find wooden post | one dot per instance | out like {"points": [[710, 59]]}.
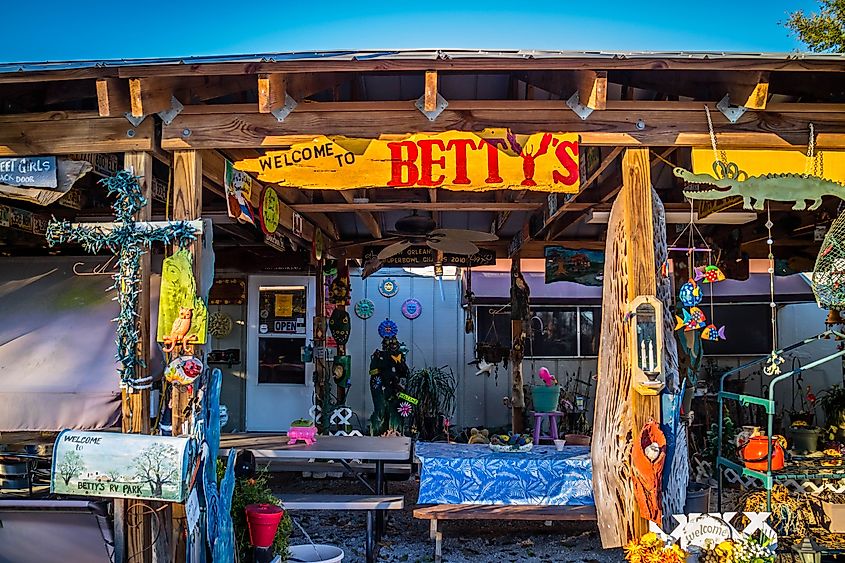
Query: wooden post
{"points": [[620, 412], [187, 205], [517, 354], [135, 404], [321, 388]]}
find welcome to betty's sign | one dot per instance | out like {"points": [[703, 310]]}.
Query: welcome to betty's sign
{"points": [[493, 159]]}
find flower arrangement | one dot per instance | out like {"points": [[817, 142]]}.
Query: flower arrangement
{"points": [[746, 550], [651, 549]]}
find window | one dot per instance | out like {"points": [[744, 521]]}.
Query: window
{"points": [[554, 331]]}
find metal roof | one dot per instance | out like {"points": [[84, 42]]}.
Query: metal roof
{"points": [[414, 54]]}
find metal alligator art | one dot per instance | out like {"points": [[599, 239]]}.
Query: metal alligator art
{"points": [[731, 181]]}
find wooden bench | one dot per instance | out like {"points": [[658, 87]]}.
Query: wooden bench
{"points": [[544, 513], [369, 503], [392, 471]]}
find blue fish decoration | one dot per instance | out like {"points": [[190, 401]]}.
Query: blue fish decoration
{"points": [[690, 294]]}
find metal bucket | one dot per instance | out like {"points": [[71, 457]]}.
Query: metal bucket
{"points": [[698, 499]]}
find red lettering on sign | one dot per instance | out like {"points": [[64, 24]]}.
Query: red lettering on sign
{"points": [[398, 164], [528, 159], [493, 159], [427, 162], [567, 160], [461, 146]]}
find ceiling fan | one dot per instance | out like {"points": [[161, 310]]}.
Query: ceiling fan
{"points": [[416, 229]]}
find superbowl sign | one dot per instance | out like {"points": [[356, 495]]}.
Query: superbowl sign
{"points": [[493, 159]]}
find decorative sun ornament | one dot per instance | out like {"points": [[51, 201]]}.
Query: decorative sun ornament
{"points": [[365, 308], [411, 308], [220, 324], [387, 329], [388, 287]]}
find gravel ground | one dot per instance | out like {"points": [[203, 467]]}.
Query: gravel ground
{"points": [[473, 541]]}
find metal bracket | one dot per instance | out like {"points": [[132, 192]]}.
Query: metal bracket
{"points": [[281, 113], [168, 115], [135, 121], [574, 103], [733, 113], [438, 108]]}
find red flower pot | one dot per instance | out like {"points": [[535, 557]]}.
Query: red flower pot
{"points": [[263, 521], [755, 453]]}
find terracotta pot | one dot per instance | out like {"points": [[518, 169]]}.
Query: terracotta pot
{"points": [[755, 453], [578, 439], [263, 521]]}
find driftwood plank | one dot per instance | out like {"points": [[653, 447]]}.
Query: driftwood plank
{"points": [[504, 512]]}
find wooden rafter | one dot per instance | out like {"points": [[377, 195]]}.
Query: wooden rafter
{"points": [[432, 197], [245, 127], [366, 217], [430, 96], [150, 95], [479, 206], [113, 97], [592, 88], [271, 92]]}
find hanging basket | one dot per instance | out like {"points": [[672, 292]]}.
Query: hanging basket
{"points": [[829, 272]]}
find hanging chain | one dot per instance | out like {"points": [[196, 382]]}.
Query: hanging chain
{"points": [[718, 156], [810, 165], [772, 366]]}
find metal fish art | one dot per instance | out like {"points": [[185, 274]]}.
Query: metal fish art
{"points": [[709, 274], [712, 333], [694, 319], [690, 294]]}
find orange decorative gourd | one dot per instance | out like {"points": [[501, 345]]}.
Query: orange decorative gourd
{"points": [[755, 453]]}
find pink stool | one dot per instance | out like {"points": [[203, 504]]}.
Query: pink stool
{"points": [[553, 418]]}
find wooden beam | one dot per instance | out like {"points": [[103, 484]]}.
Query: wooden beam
{"points": [[113, 97], [480, 206], [592, 88], [530, 249], [507, 62], [752, 94], [430, 96], [187, 205], [432, 197], [62, 132], [149, 95], [271, 92], [135, 405], [607, 128], [571, 204], [369, 220]]}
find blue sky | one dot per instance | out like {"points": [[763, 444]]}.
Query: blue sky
{"points": [[63, 29]]}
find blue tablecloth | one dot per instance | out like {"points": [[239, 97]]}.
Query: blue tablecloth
{"points": [[473, 474]]}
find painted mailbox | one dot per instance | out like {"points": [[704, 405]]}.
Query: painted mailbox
{"points": [[108, 464]]}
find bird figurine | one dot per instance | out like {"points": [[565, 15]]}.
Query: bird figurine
{"points": [[547, 377], [652, 451], [485, 367]]}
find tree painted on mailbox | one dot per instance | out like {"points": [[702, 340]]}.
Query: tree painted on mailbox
{"points": [[155, 466], [71, 466]]}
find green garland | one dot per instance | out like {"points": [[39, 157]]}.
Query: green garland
{"points": [[129, 243]]}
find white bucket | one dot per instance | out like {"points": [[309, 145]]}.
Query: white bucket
{"points": [[317, 553]]}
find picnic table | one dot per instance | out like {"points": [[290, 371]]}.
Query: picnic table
{"points": [[343, 449], [470, 481]]}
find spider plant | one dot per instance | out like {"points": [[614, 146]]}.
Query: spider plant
{"points": [[434, 388]]}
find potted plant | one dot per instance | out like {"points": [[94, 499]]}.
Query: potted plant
{"points": [[832, 402], [255, 490], [434, 390]]}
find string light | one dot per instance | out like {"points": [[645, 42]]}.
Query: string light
{"points": [[129, 242]]}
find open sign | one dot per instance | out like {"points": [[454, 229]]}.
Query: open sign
{"points": [[291, 326]]}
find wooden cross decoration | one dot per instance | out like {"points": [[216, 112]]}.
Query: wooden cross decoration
{"points": [[128, 240]]}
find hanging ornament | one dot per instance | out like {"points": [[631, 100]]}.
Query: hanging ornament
{"points": [[404, 409], [340, 326], [387, 329], [692, 320], [183, 370], [690, 294], [220, 324], [710, 332], [411, 308], [365, 308], [709, 274], [388, 287]]}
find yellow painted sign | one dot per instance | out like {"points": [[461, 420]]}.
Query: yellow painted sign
{"points": [[825, 164], [493, 159]]}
